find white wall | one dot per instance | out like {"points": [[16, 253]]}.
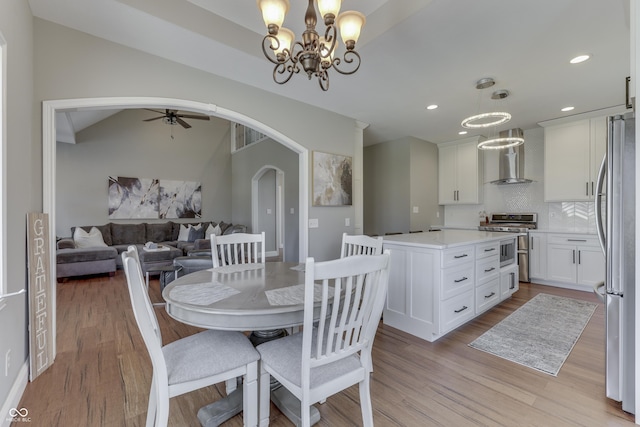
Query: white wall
{"points": [[398, 176], [124, 145], [21, 193]]}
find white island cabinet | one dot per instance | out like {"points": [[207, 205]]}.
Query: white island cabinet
{"points": [[442, 279]]}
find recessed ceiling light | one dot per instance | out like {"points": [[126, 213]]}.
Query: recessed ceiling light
{"points": [[462, 132], [579, 59], [567, 109], [432, 107]]}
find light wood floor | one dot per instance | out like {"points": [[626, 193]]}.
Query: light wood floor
{"points": [[102, 374]]}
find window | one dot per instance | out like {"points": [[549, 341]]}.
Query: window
{"points": [[242, 136]]}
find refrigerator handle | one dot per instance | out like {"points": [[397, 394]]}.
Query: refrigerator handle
{"points": [[598, 289], [598, 204]]}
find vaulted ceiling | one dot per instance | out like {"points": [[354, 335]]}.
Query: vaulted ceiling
{"points": [[414, 53]]}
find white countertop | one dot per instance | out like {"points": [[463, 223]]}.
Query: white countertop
{"points": [[446, 238]]}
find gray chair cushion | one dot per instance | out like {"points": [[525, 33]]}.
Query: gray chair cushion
{"points": [[207, 353], [284, 355]]}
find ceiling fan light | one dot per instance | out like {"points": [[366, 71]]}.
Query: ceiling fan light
{"points": [[350, 23], [329, 9], [273, 13]]}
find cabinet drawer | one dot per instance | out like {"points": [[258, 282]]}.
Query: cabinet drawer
{"points": [[573, 239], [487, 295], [487, 250], [456, 280], [456, 256], [457, 310], [487, 269]]}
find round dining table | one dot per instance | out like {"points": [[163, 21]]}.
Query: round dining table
{"points": [[262, 298]]}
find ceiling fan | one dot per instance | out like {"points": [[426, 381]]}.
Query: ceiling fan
{"points": [[172, 117]]}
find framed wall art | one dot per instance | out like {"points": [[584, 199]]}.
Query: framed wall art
{"points": [[332, 179], [144, 198]]}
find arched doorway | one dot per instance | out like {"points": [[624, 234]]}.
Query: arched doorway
{"points": [[267, 207], [50, 108]]}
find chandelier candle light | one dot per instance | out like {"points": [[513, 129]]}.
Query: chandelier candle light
{"points": [[314, 54]]}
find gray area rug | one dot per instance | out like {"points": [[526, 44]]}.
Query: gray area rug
{"points": [[540, 334]]}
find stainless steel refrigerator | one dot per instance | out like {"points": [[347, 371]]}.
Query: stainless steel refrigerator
{"points": [[615, 220]]}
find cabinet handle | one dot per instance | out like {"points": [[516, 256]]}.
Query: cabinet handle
{"points": [[460, 256], [586, 188], [464, 307], [461, 280], [489, 250], [513, 281], [491, 269], [592, 191], [574, 256], [579, 257], [490, 295], [577, 240], [531, 244]]}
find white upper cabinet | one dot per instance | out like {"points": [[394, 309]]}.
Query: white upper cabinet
{"points": [[459, 172], [572, 156]]}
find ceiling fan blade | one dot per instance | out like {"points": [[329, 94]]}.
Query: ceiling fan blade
{"points": [[154, 118], [192, 116], [183, 123]]}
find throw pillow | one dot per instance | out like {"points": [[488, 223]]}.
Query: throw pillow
{"points": [[183, 236], [212, 230], [196, 233], [92, 239]]}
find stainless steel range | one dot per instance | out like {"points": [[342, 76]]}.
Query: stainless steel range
{"points": [[515, 223]]}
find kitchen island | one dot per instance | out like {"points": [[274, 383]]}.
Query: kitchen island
{"points": [[440, 280]]}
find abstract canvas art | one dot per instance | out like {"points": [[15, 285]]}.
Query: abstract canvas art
{"points": [[332, 179], [180, 199], [144, 198], [133, 198]]}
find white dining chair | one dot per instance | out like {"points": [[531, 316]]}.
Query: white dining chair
{"points": [[360, 245], [333, 352], [237, 248], [190, 363]]}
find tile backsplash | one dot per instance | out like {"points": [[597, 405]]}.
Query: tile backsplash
{"points": [[572, 216]]}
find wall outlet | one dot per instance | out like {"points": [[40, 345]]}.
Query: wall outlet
{"points": [[292, 211], [347, 222], [268, 211], [416, 209], [313, 223], [7, 362]]}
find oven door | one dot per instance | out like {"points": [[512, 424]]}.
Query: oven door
{"points": [[507, 252]]}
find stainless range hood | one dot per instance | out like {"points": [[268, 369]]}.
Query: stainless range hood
{"points": [[511, 161]]}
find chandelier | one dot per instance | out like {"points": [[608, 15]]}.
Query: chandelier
{"points": [[492, 120], [315, 54]]}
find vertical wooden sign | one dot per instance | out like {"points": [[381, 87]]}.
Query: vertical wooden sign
{"points": [[41, 344]]}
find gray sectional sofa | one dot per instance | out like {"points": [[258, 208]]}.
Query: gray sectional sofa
{"points": [[76, 261]]}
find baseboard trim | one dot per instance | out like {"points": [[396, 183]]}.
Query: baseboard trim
{"points": [[15, 394]]}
